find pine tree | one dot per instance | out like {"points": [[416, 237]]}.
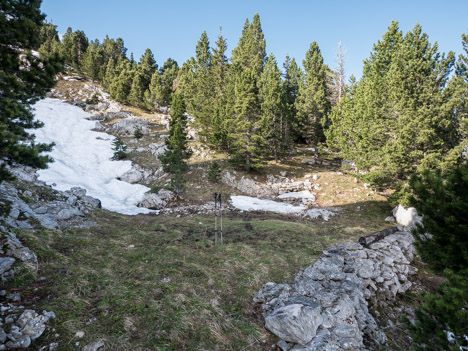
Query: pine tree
{"points": [[24, 79], [93, 59], [443, 204], [109, 74], [173, 159], [74, 45], [137, 91], [442, 321], [122, 83], [400, 117], [244, 122], [292, 79], [272, 108], [197, 87], [250, 51], [120, 149], [50, 41], [218, 73], [312, 104], [241, 112], [219, 66], [168, 73], [142, 79], [154, 96]]}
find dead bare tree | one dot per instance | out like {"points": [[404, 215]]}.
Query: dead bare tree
{"points": [[338, 88]]}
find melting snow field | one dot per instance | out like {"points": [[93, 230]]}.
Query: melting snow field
{"points": [[83, 158], [247, 203]]}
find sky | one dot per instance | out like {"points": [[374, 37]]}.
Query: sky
{"points": [[172, 28]]}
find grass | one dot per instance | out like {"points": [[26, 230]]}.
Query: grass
{"points": [[158, 282]]}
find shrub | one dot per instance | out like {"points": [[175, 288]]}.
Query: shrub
{"points": [[214, 172], [119, 149]]}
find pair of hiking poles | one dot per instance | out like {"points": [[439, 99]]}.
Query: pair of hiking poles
{"points": [[218, 206]]}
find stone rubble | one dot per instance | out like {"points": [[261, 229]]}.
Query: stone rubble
{"points": [[126, 126], [52, 213], [274, 186], [19, 332], [326, 307]]}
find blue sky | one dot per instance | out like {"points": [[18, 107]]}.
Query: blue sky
{"points": [[172, 28]]}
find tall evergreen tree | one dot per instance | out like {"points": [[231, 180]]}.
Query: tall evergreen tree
{"points": [[24, 79], [154, 96], [272, 108], [147, 67], [312, 103], [218, 73], [122, 83], [168, 73], [244, 121], [250, 51], [242, 105], [219, 65], [177, 152], [197, 87], [93, 59], [400, 117], [74, 45], [49, 38], [293, 77]]}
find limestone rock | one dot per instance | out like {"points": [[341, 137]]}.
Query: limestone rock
{"points": [[294, 323], [326, 307], [5, 264], [157, 201], [95, 346]]}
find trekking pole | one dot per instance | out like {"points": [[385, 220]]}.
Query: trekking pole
{"points": [[221, 216], [216, 218]]}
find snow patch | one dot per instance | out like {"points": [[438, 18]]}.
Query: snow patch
{"points": [[247, 203], [83, 158]]}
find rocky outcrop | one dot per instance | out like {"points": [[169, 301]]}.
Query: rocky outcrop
{"points": [[326, 307], [57, 211], [138, 174], [157, 149], [272, 188], [126, 126], [157, 201]]}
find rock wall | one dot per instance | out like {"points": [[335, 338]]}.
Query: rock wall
{"points": [[326, 307]]}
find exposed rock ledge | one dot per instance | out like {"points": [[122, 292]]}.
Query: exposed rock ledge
{"points": [[326, 306]]}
